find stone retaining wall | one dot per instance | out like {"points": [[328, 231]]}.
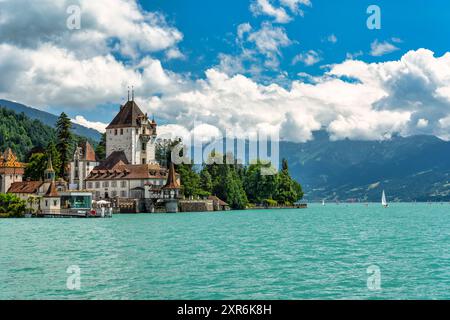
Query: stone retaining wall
{"points": [[196, 206]]}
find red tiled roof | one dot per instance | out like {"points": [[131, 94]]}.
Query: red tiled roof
{"points": [[25, 187], [128, 171], [51, 192]]}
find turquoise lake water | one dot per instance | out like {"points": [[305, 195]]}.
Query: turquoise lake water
{"points": [[318, 253]]}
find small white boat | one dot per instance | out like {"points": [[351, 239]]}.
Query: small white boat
{"points": [[383, 200], [323, 203]]}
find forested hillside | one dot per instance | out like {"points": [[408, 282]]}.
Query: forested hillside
{"points": [[22, 134], [49, 119]]}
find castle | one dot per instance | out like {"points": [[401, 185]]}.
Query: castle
{"points": [[130, 178], [130, 174]]}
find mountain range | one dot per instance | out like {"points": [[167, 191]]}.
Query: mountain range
{"points": [[415, 168]]}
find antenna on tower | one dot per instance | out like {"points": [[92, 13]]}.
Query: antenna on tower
{"points": [[132, 93], [128, 93]]}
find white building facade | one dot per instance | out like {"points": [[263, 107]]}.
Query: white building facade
{"points": [[84, 161], [132, 133], [130, 167]]}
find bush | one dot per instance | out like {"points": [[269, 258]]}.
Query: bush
{"points": [[270, 203], [12, 206]]}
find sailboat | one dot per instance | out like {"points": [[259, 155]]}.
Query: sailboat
{"points": [[383, 200], [323, 203]]}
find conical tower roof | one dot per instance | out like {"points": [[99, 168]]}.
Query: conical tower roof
{"points": [[172, 182], [49, 165]]}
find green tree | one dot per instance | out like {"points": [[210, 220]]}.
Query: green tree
{"points": [[36, 167], [258, 186], [65, 139], [100, 151], [190, 180], [206, 183], [164, 149], [226, 180], [52, 152], [12, 206], [288, 191], [234, 190]]}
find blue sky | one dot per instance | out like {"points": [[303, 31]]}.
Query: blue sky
{"points": [[209, 28], [288, 66]]}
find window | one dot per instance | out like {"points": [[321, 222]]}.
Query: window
{"points": [[113, 184], [123, 184], [97, 185], [115, 132], [55, 203], [97, 194], [46, 203], [105, 184], [89, 185], [144, 161], [121, 132], [144, 146], [77, 202], [123, 194], [114, 194], [137, 131]]}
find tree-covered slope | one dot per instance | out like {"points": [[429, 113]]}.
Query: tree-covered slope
{"points": [[22, 134], [49, 119]]}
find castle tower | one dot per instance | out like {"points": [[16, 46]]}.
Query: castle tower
{"points": [[84, 161], [11, 170], [49, 173], [171, 191], [132, 133]]}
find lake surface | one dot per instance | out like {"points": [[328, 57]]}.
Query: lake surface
{"points": [[318, 253]]}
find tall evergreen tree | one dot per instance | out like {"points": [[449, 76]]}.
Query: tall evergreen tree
{"points": [[206, 183], [234, 190], [288, 191], [100, 151], [52, 152], [190, 180], [65, 139]]}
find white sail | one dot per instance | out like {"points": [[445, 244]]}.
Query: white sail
{"points": [[383, 200], [323, 202]]}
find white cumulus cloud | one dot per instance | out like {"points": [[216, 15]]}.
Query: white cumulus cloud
{"points": [[99, 126]]}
